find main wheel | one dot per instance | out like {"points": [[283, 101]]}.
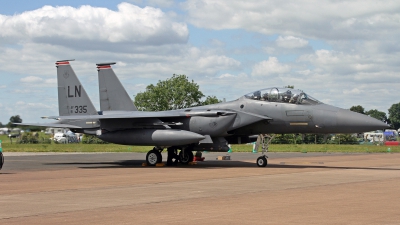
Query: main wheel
{"points": [[185, 156], [160, 158], [1, 160], [262, 161], [153, 157]]}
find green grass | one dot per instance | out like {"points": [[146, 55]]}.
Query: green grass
{"points": [[8, 147], [320, 148]]}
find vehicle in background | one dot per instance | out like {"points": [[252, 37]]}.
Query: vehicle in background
{"points": [[390, 135], [54, 130], [4, 130], [65, 138], [373, 137], [15, 132]]}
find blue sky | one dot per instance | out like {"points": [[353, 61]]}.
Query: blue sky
{"points": [[342, 53]]}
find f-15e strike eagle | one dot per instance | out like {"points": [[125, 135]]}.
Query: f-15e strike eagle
{"points": [[201, 128]]}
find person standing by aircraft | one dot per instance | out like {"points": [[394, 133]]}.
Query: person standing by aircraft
{"points": [[172, 154]]}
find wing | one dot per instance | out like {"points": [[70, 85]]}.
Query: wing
{"points": [[162, 114]]}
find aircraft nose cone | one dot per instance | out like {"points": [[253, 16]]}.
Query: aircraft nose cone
{"points": [[358, 123]]}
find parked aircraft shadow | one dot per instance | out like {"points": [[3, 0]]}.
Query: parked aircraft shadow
{"points": [[105, 165], [207, 165]]}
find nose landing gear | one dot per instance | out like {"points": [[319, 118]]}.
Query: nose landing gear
{"points": [[264, 140]]}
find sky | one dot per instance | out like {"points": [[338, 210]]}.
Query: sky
{"points": [[343, 53]]}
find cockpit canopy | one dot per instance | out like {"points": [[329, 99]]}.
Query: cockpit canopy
{"points": [[284, 95]]}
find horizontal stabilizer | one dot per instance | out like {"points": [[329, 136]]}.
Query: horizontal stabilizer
{"points": [[59, 125]]}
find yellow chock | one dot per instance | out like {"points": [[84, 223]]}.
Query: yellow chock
{"points": [[160, 164], [192, 163], [144, 164]]}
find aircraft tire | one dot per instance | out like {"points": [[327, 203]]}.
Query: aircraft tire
{"points": [[153, 157], [160, 158], [262, 161], [1, 160], [186, 158]]}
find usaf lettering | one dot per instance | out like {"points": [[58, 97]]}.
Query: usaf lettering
{"points": [[78, 91]]}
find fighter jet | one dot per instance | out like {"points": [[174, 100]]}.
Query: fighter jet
{"points": [[212, 127]]}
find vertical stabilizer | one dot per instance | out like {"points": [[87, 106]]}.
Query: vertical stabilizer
{"points": [[113, 96], [72, 97]]}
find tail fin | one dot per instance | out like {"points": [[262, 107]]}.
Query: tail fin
{"points": [[113, 96], [72, 97]]}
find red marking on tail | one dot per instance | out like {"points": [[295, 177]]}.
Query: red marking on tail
{"points": [[62, 63], [103, 67]]}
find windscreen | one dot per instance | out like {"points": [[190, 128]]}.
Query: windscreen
{"points": [[284, 95]]}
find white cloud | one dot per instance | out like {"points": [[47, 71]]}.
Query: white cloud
{"points": [[353, 91], [93, 26], [31, 79], [232, 77], [361, 19], [37, 81], [269, 67], [291, 42], [51, 81], [214, 61]]}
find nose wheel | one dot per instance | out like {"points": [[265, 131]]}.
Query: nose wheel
{"points": [[262, 161]]}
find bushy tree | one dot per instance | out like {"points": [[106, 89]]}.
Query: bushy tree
{"points": [[358, 108], [210, 100], [394, 116], [14, 119], [348, 139], [377, 115], [29, 138], [174, 93], [92, 139]]}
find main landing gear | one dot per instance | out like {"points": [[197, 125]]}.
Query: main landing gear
{"points": [[185, 155], [154, 156], [264, 140]]}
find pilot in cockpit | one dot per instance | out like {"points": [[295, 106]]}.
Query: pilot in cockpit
{"points": [[257, 95], [265, 97], [294, 99], [286, 96]]}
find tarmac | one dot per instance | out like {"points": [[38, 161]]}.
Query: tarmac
{"points": [[114, 188]]}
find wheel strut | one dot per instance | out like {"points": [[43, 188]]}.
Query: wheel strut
{"points": [[264, 140]]}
